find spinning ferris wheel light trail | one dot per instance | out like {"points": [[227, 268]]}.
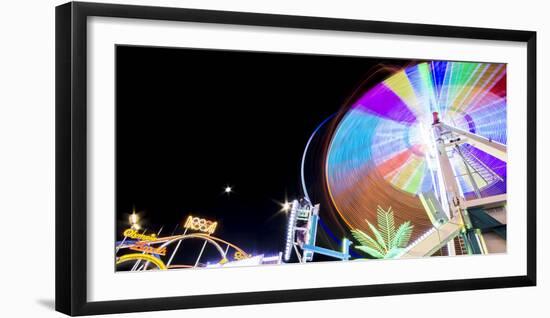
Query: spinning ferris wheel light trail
{"points": [[434, 128]]}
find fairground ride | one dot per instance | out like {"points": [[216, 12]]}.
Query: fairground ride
{"points": [[429, 141], [140, 251]]}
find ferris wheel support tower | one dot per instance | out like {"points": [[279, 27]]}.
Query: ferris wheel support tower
{"points": [[451, 199]]}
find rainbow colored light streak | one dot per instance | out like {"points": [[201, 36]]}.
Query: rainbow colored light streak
{"points": [[379, 152]]}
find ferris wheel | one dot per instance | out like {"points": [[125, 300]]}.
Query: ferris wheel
{"points": [[430, 128]]}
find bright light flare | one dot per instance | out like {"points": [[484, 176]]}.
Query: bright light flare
{"points": [[133, 219], [286, 206], [228, 189]]}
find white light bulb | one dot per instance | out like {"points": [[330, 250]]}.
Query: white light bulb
{"points": [[286, 206]]}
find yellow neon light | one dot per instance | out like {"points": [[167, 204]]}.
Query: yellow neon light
{"points": [[131, 233], [143, 247], [144, 257], [202, 225], [239, 255], [428, 208], [224, 242]]}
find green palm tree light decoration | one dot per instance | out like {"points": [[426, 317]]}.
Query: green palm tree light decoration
{"points": [[387, 242]]}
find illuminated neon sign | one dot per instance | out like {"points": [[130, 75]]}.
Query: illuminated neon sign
{"points": [[240, 255], [144, 257], [201, 225], [131, 233], [143, 247]]}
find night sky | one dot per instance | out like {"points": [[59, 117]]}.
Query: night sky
{"points": [[190, 122]]}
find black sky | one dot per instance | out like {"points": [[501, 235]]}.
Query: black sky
{"points": [[189, 122]]}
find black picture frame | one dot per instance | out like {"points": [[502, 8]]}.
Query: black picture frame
{"points": [[71, 157]]}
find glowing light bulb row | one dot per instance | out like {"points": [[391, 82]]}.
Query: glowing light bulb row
{"points": [[290, 231]]}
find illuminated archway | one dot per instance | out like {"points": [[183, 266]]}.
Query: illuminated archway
{"points": [[142, 257], [211, 239]]}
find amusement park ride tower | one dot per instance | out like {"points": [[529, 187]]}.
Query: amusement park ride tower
{"points": [[302, 226], [451, 213]]}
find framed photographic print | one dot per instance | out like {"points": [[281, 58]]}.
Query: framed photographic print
{"points": [[209, 158]]}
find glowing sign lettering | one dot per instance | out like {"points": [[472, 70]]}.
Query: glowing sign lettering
{"points": [[202, 225], [131, 233], [143, 247]]}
